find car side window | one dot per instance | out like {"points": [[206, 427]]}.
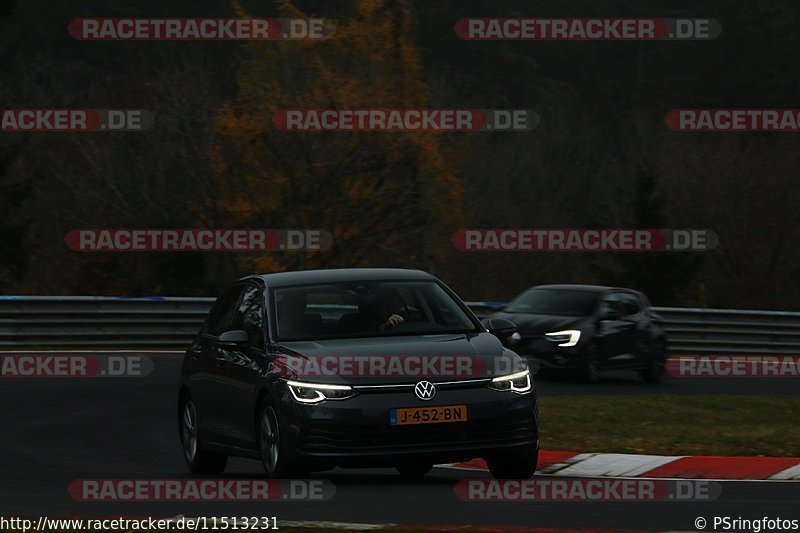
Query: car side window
{"points": [[611, 305], [249, 316], [222, 316], [631, 305]]}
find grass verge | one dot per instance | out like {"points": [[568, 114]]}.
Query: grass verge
{"points": [[673, 425]]}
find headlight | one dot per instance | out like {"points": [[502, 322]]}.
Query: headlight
{"points": [[304, 392], [519, 382], [566, 338]]}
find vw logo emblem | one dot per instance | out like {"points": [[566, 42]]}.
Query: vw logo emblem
{"points": [[425, 390]]}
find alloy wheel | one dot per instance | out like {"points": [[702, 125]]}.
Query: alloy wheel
{"points": [[270, 439], [189, 431]]}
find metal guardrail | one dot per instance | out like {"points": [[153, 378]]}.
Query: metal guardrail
{"points": [[76, 321], [121, 322], [731, 331]]}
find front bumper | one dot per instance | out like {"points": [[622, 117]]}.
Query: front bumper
{"points": [[357, 431]]}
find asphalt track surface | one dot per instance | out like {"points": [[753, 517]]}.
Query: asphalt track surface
{"points": [[55, 431]]}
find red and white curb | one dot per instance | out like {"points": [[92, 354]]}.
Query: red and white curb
{"points": [[658, 466]]}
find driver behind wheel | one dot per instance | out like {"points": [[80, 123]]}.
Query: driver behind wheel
{"points": [[388, 308]]}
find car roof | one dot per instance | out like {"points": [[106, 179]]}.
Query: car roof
{"points": [[339, 275], [578, 287]]}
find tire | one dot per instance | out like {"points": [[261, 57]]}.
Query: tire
{"points": [[513, 466], [272, 449], [198, 460], [414, 470], [590, 373], [656, 366]]}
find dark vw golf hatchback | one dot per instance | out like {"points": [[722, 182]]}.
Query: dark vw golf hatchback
{"points": [[588, 328], [315, 369]]}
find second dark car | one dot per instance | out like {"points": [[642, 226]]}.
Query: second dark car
{"points": [[587, 329]]}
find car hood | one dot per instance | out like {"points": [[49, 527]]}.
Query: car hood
{"points": [[398, 359], [529, 324]]}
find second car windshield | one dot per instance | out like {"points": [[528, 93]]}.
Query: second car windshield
{"points": [[366, 309], [554, 302]]}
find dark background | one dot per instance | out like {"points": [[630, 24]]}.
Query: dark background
{"points": [[601, 157]]}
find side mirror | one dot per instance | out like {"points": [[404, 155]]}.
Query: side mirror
{"points": [[233, 339], [501, 328]]}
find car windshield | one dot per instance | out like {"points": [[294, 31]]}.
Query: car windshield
{"points": [[367, 309], [564, 302]]}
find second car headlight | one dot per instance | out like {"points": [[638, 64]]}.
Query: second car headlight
{"points": [[519, 382], [305, 392], [566, 338]]}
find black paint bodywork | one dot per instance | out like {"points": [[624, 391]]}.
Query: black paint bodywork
{"points": [[229, 384]]}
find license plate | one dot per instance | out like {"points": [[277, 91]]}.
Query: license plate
{"points": [[439, 414]]}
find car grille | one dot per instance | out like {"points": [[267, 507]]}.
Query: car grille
{"points": [[332, 437]]}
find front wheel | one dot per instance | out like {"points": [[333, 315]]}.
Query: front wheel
{"points": [[520, 465], [590, 371], [270, 445], [198, 460], [656, 364]]}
